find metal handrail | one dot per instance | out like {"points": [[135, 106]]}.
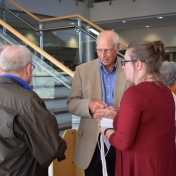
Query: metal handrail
{"points": [[3, 7], [49, 29], [60, 80], [38, 49], [46, 29], [64, 83], [61, 18]]}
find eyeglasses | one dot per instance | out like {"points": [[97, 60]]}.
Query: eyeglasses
{"points": [[105, 50], [123, 62], [32, 66]]}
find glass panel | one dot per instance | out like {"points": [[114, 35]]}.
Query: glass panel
{"points": [[60, 23], [63, 45], [122, 50], [88, 45], [12, 18], [92, 31], [53, 88], [72, 23]]}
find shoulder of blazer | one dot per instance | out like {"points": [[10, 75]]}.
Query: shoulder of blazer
{"points": [[89, 66]]}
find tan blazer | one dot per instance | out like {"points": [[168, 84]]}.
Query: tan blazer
{"points": [[86, 85]]}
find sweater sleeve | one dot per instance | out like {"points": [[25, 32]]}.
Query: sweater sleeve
{"points": [[127, 121]]}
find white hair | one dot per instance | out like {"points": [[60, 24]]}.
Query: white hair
{"points": [[111, 35], [168, 69], [15, 58]]}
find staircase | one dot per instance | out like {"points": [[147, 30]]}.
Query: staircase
{"points": [[54, 89]]}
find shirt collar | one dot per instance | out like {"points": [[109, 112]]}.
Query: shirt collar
{"points": [[22, 82], [114, 66]]}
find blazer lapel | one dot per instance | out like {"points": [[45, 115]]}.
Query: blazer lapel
{"points": [[95, 79], [120, 84]]}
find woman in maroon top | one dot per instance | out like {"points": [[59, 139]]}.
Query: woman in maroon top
{"points": [[143, 132]]}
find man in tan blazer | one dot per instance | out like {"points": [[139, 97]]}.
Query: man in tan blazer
{"points": [[86, 96]]}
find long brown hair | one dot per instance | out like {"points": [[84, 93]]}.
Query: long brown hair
{"points": [[151, 53]]}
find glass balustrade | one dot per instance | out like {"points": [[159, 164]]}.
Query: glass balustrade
{"points": [[71, 41]]}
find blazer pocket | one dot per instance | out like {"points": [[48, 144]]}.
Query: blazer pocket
{"points": [[80, 132]]}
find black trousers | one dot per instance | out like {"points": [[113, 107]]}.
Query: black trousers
{"points": [[95, 166]]}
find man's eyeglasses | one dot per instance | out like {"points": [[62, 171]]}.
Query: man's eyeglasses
{"points": [[32, 66], [123, 62], [105, 50]]}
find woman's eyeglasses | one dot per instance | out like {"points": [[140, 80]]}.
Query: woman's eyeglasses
{"points": [[123, 62]]}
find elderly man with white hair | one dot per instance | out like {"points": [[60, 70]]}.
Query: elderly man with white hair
{"points": [[29, 134]]}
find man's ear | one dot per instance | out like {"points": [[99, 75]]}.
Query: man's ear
{"points": [[28, 69], [118, 48], [27, 73]]}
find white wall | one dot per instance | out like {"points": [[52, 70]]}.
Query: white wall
{"points": [[54, 7], [167, 34], [121, 9]]}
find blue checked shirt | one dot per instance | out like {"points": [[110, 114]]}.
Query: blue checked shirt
{"points": [[107, 83]]}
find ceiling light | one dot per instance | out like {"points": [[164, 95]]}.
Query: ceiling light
{"points": [[94, 31], [147, 26], [123, 21], [160, 17], [72, 23]]}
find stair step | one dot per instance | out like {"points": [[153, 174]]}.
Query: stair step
{"points": [[54, 85], [55, 98], [65, 126], [64, 120]]}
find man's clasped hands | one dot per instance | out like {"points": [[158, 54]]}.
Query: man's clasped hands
{"points": [[99, 110]]}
